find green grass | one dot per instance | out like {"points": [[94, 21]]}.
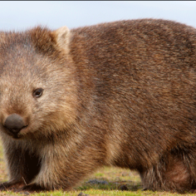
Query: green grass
{"points": [[114, 179]]}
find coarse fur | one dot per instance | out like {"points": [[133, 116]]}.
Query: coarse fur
{"points": [[120, 93]]}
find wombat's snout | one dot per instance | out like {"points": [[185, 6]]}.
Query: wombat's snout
{"points": [[14, 123]]}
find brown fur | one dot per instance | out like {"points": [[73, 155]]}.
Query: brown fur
{"points": [[120, 94]]}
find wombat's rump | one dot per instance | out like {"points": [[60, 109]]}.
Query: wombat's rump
{"points": [[120, 93]]}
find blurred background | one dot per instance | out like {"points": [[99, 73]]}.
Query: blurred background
{"points": [[54, 14]]}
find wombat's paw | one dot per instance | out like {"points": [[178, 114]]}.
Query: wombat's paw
{"points": [[2, 187], [145, 189], [192, 191], [33, 188], [11, 185]]}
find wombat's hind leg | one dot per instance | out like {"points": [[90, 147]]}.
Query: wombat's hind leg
{"points": [[178, 175], [172, 173]]}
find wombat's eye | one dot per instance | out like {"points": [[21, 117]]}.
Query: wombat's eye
{"points": [[38, 92]]}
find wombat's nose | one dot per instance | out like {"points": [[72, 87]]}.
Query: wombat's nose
{"points": [[14, 123]]}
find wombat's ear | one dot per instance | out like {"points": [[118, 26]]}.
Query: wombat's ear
{"points": [[62, 37], [50, 42]]}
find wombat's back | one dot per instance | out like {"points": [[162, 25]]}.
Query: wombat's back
{"points": [[143, 76]]}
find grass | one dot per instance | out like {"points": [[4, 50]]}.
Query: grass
{"points": [[110, 183]]}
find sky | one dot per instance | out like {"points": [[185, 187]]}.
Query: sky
{"points": [[22, 15]]}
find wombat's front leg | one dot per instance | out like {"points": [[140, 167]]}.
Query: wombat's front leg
{"points": [[14, 165], [64, 170], [22, 164]]}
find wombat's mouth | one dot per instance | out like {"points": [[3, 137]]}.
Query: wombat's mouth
{"points": [[16, 136], [14, 133], [11, 134]]}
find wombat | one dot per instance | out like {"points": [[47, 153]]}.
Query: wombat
{"points": [[113, 94]]}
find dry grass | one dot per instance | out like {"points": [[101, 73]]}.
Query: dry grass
{"points": [[2, 165]]}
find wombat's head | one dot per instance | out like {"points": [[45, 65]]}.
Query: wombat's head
{"points": [[37, 87]]}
